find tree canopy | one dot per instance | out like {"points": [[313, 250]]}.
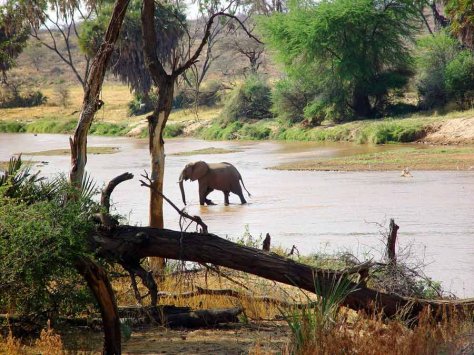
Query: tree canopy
{"points": [[128, 62], [355, 50], [13, 36]]}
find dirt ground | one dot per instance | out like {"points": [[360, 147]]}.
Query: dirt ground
{"points": [[263, 337], [453, 131]]}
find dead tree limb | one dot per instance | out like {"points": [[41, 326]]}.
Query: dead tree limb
{"points": [[172, 316], [391, 242], [107, 191], [149, 183], [140, 242], [230, 293]]}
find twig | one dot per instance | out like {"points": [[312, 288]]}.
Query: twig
{"points": [[149, 183]]}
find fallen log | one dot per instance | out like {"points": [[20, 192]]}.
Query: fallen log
{"points": [[172, 316], [124, 242]]}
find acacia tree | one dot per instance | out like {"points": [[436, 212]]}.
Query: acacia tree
{"points": [[164, 76], [127, 62], [13, 36], [356, 50], [55, 25]]}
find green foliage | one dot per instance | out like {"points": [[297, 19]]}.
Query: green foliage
{"points": [[128, 63], [109, 129], [41, 236], [356, 51], [141, 104], [51, 125], [12, 127], [237, 130], [251, 100], [209, 95], [460, 79], [433, 55], [173, 130], [310, 324], [13, 37], [291, 97], [14, 98]]}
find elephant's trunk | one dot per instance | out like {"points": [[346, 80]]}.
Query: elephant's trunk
{"points": [[181, 187]]}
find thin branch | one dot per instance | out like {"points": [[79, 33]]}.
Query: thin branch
{"points": [[149, 183], [207, 33]]}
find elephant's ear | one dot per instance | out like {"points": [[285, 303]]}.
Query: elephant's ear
{"points": [[200, 168]]}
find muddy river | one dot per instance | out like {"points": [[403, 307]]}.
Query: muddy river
{"points": [[316, 211]]}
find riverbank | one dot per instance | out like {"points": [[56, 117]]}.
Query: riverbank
{"points": [[456, 127], [422, 158]]}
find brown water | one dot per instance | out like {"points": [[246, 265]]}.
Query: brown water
{"points": [[316, 211]]}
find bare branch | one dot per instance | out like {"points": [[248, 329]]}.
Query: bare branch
{"points": [[149, 183]]}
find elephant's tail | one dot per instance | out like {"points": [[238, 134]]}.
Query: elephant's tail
{"points": [[244, 186]]}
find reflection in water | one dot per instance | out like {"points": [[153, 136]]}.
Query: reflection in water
{"points": [[316, 211]]}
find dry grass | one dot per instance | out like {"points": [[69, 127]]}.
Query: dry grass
{"points": [[370, 335]]}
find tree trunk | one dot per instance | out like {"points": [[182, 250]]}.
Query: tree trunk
{"points": [[91, 103], [156, 125], [101, 288], [361, 104], [141, 242], [95, 276]]}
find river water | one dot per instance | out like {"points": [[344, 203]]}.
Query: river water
{"points": [[316, 211]]}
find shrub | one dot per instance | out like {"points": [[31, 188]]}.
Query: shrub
{"points": [[434, 54], [41, 235], [460, 79], [173, 130], [209, 95], [141, 104], [289, 99], [14, 98], [249, 101], [12, 127]]}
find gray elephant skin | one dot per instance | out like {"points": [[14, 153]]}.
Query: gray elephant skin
{"points": [[213, 176]]}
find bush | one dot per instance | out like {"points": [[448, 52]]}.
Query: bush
{"points": [[434, 54], [41, 237], [14, 99], [289, 99], [141, 104], [249, 101], [209, 95], [173, 130], [460, 79], [12, 127]]}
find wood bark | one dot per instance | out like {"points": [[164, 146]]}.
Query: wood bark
{"points": [[93, 86], [391, 242], [101, 288], [142, 242], [94, 274]]}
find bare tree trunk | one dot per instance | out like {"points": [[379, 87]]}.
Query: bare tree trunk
{"points": [[91, 103], [101, 288], [94, 274], [391, 242]]}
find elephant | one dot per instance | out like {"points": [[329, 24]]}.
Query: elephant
{"points": [[213, 176]]}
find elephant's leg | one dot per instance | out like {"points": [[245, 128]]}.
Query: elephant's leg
{"points": [[202, 194], [208, 202], [237, 189], [226, 198]]}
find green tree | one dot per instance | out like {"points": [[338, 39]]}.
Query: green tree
{"points": [[13, 36], [460, 79], [128, 63], [356, 51], [433, 54]]}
